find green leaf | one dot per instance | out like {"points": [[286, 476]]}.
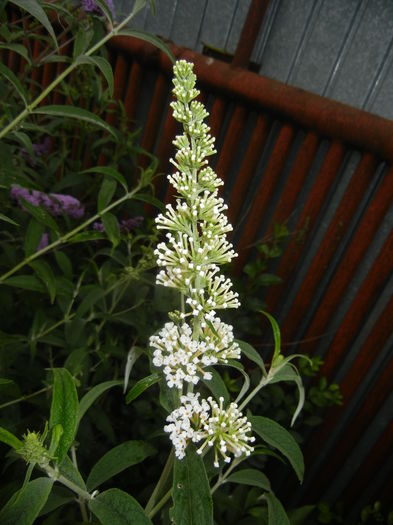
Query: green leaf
{"points": [[75, 113], [116, 460], [26, 282], [133, 354], [112, 229], [217, 386], [192, 501], [93, 394], [57, 432], [246, 383], [25, 505], [33, 236], [107, 190], [141, 386], [64, 409], [278, 437], [298, 516], [14, 80], [147, 37], [150, 200], [34, 8], [251, 354], [289, 373], [276, 334], [9, 439], [40, 214], [252, 477], [110, 172], [115, 507], [69, 471], [87, 236], [7, 219], [17, 48], [94, 295], [64, 263], [82, 40], [44, 272], [103, 65], [276, 512], [105, 9]]}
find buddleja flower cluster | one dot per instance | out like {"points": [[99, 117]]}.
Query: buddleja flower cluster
{"points": [[189, 260]]}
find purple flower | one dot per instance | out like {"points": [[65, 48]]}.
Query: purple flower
{"points": [[90, 6], [98, 226], [43, 242], [54, 203]]}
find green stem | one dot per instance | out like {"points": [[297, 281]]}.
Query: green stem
{"points": [[52, 473], [81, 501], [160, 504], [264, 381], [64, 74], [160, 484], [23, 398], [68, 235], [222, 478]]}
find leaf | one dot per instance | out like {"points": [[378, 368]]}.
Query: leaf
{"points": [[94, 295], [87, 236], [111, 227], [64, 409], [276, 334], [75, 113], [82, 40], [14, 80], [26, 282], [44, 272], [9, 439], [289, 373], [64, 263], [110, 172], [150, 200], [276, 512], [40, 214], [246, 383], [252, 477], [192, 501], [34, 8], [7, 219], [147, 37], [133, 354], [116, 460], [93, 394], [25, 505], [69, 471], [107, 190], [115, 507], [251, 354], [105, 9], [278, 437], [299, 515], [103, 65], [33, 236], [217, 386], [141, 386], [17, 48]]}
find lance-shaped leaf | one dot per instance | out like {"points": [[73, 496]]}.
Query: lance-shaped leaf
{"points": [[75, 113], [278, 437], [115, 507], [147, 37], [64, 409], [103, 65], [9, 439], [93, 394], [142, 385], [35, 10], [252, 477], [14, 80], [116, 460], [276, 512], [276, 334], [289, 373], [192, 501], [110, 172], [25, 505]]}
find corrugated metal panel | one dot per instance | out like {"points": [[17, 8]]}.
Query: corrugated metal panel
{"points": [[342, 49]]}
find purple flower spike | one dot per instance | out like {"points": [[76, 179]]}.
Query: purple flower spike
{"points": [[39, 149], [98, 226], [54, 203]]}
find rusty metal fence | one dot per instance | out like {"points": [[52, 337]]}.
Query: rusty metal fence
{"points": [[324, 169]]}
